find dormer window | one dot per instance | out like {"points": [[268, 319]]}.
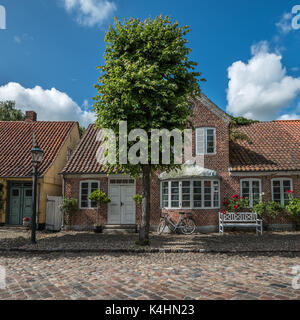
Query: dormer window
{"points": [[205, 141]]}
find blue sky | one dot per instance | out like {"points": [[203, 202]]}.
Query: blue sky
{"points": [[246, 50]]}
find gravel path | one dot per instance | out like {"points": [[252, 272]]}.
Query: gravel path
{"points": [[231, 242]]}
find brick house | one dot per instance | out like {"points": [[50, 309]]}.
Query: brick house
{"points": [[57, 140], [263, 169]]}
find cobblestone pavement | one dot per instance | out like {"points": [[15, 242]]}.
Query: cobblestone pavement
{"points": [[149, 276], [234, 241]]}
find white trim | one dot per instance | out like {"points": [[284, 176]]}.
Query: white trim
{"points": [[281, 188], [89, 192], [205, 141], [263, 173], [191, 194], [251, 180]]}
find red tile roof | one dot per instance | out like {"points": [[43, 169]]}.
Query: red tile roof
{"points": [[16, 144], [275, 146], [83, 159]]}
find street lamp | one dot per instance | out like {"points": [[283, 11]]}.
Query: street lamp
{"points": [[37, 157]]}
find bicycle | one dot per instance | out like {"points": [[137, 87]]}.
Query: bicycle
{"points": [[186, 224]]}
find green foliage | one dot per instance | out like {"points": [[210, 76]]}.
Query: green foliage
{"points": [[241, 121], [99, 197], [147, 80], [82, 131], [268, 209], [293, 208], [8, 112], [69, 206], [138, 198], [234, 133]]}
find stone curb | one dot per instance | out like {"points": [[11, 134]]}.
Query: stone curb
{"points": [[139, 251]]}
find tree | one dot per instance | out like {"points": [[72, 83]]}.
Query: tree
{"points": [[147, 80], [8, 112]]}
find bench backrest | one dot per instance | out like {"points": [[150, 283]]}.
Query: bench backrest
{"points": [[238, 217]]}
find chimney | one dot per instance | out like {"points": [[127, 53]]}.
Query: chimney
{"points": [[30, 116]]}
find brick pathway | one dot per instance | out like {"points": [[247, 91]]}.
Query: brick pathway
{"points": [[149, 276]]}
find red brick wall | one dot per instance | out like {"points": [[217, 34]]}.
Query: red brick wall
{"points": [[86, 216], [220, 163]]}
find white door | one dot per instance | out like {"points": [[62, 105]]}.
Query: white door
{"points": [[114, 212], [127, 205], [122, 206]]}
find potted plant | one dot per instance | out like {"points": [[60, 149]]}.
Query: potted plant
{"points": [[99, 197], [26, 222], [69, 206]]}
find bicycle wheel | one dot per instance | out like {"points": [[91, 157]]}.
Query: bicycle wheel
{"points": [[188, 226], [161, 227]]}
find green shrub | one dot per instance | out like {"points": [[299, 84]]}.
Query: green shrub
{"points": [[268, 209], [293, 208], [99, 197]]}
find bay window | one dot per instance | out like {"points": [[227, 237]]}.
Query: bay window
{"points": [[279, 190], [189, 194]]}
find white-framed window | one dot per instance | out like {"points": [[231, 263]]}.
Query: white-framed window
{"points": [[190, 194], [86, 188], [251, 189], [205, 141], [279, 188]]}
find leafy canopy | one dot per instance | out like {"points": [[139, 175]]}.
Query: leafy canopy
{"points": [[147, 79], [8, 112]]}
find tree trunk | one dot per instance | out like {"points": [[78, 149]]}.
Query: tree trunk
{"points": [[145, 221]]}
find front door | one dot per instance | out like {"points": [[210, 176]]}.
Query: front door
{"points": [[122, 207], [15, 206], [20, 205]]}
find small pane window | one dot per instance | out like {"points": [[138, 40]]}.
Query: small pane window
{"points": [[279, 190], [205, 141], [251, 190], [15, 192], [165, 194], [86, 188], [186, 194]]}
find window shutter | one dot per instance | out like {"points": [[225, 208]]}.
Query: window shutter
{"points": [[200, 141]]}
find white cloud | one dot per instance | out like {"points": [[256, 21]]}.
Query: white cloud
{"points": [[291, 116], [90, 12], [261, 88], [51, 105], [285, 24]]}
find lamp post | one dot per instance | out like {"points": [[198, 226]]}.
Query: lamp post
{"points": [[37, 157]]}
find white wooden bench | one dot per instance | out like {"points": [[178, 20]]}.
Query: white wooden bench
{"points": [[243, 219]]}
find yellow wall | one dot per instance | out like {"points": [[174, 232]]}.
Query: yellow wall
{"points": [[51, 183], [3, 210]]}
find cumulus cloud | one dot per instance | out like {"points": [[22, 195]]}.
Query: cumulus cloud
{"points": [[260, 88], [285, 24], [90, 12], [51, 105]]}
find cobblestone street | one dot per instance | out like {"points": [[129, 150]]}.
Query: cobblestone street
{"points": [[149, 276]]}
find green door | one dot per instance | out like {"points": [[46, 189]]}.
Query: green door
{"points": [[20, 205], [15, 206]]}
